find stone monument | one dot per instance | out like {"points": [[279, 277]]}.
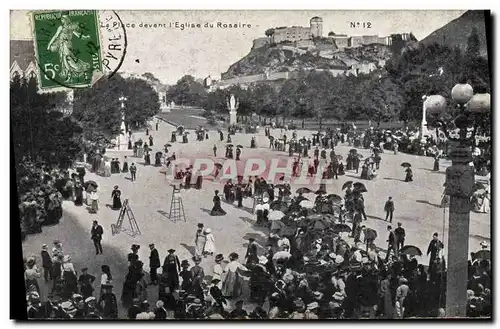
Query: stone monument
{"points": [[423, 125], [232, 106], [122, 139]]}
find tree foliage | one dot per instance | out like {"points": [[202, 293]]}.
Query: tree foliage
{"points": [[99, 108], [187, 91], [40, 130]]}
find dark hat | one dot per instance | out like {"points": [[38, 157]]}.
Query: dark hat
{"points": [[116, 187], [196, 259], [151, 244], [171, 250], [251, 239], [95, 222], [200, 225], [215, 281], [185, 262], [84, 269], [233, 255], [219, 257], [135, 247]]}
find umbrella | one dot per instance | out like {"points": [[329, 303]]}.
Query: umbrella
{"points": [[279, 186], [218, 165], [359, 185], [168, 145], [159, 153], [334, 198], [482, 255], [276, 215], [339, 157], [347, 184], [410, 251], [229, 145], [282, 255], [277, 205], [90, 182], [239, 146], [405, 164], [353, 151], [320, 192], [341, 228], [370, 234], [360, 189], [306, 204], [303, 190]]}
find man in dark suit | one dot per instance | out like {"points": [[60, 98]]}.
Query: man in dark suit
{"points": [[251, 255], [154, 264], [96, 236], [400, 237], [391, 243], [46, 263], [434, 247], [389, 209]]}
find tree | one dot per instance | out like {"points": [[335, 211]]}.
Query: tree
{"points": [[41, 132], [187, 91], [269, 32], [473, 44], [216, 101], [150, 76], [99, 108], [263, 98]]}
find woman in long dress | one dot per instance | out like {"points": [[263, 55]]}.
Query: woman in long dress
{"points": [[62, 43], [217, 209], [231, 284], [78, 194], [210, 243], [116, 195], [217, 269], [199, 241], [485, 206]]}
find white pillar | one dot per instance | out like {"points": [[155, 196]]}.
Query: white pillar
{"points": [[423, 127]]}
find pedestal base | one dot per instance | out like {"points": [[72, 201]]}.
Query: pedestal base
{"points": [[232, 118]]}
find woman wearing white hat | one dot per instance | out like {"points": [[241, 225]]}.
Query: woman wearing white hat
{"points": [[209, 248]]}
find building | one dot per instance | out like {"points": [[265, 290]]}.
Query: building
{"points": [[297, 33], [22, 59]]}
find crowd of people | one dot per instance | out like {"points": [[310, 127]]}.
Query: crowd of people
{"points": [[319, 261]]}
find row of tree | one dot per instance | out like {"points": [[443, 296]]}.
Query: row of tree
{"points": [[392, 93]]}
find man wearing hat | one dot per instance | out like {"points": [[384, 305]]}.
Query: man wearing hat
{"points": [[96, 235], [172, 266], [85, 281], [197, 274], [154, 264], [251, 254], [46, 263]]}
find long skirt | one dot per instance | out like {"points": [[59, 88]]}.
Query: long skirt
{"points": [[117, 203], [231, 285], [94, 206]]}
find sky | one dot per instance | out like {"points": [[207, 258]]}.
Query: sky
{"points": [[170, 53]]}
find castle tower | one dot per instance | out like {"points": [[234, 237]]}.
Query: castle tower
{"points": [[316, 24]]}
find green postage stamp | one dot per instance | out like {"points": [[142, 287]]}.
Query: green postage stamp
{"points": [[67, 46]]}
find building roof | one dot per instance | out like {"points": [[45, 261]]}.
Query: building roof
{"points": [[22, 52]]}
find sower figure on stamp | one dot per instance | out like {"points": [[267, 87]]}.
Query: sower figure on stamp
{"points": [[96, 236]]}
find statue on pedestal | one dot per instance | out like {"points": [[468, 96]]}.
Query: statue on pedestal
{"points": [[232, 106]]}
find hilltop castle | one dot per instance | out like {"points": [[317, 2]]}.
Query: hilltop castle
{"points": [[303, 36]]}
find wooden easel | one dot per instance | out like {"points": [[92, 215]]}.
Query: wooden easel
{"points": [[118, 227]]}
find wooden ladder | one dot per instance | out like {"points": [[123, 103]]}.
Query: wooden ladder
{"points": [[177, 207]]}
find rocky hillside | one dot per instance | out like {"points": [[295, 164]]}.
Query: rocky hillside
{"points": [[458, 30], [285, 57]]}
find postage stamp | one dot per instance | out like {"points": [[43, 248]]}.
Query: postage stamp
{"points": [[67, 46]]}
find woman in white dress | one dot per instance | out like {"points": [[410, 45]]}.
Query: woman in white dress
{"points": [[485, 207], [209, 248], [231, 284]]}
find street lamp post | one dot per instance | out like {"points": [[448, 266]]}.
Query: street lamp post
{"points": [[459, 186], [423, 126]]}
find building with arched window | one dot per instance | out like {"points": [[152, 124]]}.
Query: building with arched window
{"points": [[22, 59]]}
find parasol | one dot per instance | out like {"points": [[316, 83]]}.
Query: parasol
{"points": [[339, 157], [276, 215], [410, 251], [341, 228], [482, 255], [167, 145], [306, 204], [90, 182], [360, 190], [320, 192], [159, 153], [277, 205], [303, 190], [282, 255], [218, 165], [406, 164], [279, 186], [229, 145], [353, 151], [334, 198], [239, 146], [347, 184], [370, 234], [359, 185]]}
